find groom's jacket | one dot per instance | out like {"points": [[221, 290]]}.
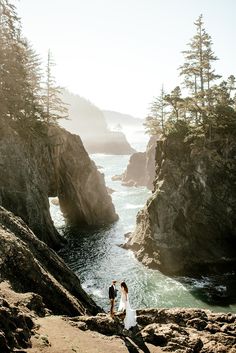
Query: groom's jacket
{"points": [[112, 292]]}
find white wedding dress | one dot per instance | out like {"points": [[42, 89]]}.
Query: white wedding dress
{"points": [[130, 317]]}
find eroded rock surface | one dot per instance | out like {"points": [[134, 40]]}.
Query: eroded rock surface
{"points": [[15, 328], [188, 225], [141, 168], [29, 265], [53, 164], [174, 330]]}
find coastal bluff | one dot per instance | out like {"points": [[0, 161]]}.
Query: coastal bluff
{"points": [[188, 225], [53, 163]]}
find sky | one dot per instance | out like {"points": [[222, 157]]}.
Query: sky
{"points": [[118, 53]]}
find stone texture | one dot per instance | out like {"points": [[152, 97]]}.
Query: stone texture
{"points": [[31, 266], [53, 164], [15, 328], [141, 168], [174, 330], [188, 226]]}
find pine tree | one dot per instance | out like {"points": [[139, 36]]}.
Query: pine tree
{"points": [[176, 102], [197, 69], [18, 99], [155, 123], [9, 33], [54, 107]]}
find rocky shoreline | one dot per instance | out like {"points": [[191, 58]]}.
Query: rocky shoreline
{"points": [[158, 330], [36, 288], [174, 330]]}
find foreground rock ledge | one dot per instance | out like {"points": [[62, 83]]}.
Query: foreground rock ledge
{"points": [[158, 330], [174, 330]]}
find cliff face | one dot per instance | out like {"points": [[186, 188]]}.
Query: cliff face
{"points": [[55, 164], [29, 265], [141, 168], [188, 226]]}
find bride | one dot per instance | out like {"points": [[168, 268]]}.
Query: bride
{"points": [[130, 315]]}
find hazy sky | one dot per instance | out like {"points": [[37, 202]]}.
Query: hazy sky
{"points": [[117, 53]]}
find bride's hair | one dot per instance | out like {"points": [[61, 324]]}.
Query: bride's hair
{"points": [[123, 284]]}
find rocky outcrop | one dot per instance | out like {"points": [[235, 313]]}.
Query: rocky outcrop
{"points": [[54, 164], [188, 226], [174, 330], [141, 168], [88, 121], [15, 328], [29, 265]]}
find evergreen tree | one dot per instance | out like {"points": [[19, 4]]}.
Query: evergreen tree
{"points": [[197, 69], [18, 100], [54, 107], [155, 123], [176, 102]]}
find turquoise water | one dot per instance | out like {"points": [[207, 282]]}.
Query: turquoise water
{"points": [[95, 256]]}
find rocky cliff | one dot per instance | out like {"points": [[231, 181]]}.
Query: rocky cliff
{"points": [[141, 168], [188, 226], [29, 265], [54, 163]]}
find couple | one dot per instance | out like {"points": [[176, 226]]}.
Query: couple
{"points": [[130, 315]]}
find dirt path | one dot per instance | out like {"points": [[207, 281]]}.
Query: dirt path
{"points": [[56, 335]]}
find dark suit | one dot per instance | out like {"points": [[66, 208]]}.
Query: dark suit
{"points": [[112, 296], [112, 292]]}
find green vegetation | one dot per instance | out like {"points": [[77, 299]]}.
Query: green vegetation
{"points": [[207, 106], [52, 101], [22, 91]]}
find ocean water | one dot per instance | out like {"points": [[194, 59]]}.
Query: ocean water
{"points": [[95, 256]]}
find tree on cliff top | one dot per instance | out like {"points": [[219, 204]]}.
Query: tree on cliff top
{"points": [[19, 102], [156, 121], [209, 107], [197, 69], [54, 107]]}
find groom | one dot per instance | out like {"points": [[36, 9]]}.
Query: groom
{"points": [[112, 296]]}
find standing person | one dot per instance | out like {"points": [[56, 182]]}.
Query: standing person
{"points": [[130, 314], [112, 296]]}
